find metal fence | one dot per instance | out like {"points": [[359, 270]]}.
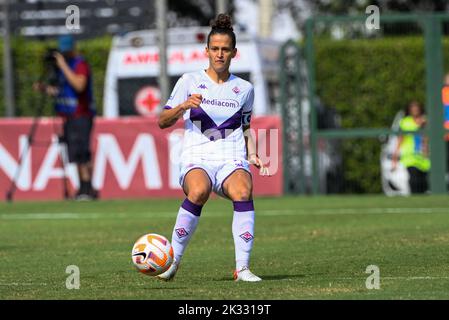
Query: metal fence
{"points": [[340, 124]]}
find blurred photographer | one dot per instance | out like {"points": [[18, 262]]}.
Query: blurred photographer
{"points": [[70, 84]]}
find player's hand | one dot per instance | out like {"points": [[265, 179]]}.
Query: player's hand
{"points": [[193, 101], [60, 60], [255, 160]]}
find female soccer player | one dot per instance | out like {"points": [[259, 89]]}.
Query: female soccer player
{"points": [[216, 106]]}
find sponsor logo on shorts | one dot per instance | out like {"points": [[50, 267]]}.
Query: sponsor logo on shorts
{"points": [[246, 236], [181, 232]]}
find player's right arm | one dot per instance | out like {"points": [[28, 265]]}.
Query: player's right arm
{"points": [[168, 117]]}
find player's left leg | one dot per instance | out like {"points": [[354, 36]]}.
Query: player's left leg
{"points": [[238, 187]]}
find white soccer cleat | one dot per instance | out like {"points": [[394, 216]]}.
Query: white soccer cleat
{"points": [[245, 275], [170, 273]]}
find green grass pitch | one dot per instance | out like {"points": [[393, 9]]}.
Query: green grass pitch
{"points": [[305, 248]]}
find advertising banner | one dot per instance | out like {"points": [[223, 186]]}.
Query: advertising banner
{"points": [[132, 158]]}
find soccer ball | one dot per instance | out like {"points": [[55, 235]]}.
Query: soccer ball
{"points": [[152, 254]]}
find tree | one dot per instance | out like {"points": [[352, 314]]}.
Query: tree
{"points": [[192, 12], [302, 9]]}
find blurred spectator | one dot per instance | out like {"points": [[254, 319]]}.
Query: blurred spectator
{"points": [[70, 83], [412, 148], [445, 100]]}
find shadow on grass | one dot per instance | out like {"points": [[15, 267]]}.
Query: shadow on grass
{"points": [[271, 277], [162, 288], [283, 277]]}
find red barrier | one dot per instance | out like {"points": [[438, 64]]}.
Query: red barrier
{"points": [[131, 158]]}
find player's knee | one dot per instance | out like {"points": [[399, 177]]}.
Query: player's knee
{"points": [[198, 195], [241, 194]]}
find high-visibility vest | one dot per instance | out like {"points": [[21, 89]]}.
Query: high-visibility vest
{"points": [[412, 146]]}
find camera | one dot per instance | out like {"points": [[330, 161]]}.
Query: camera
{"points": [[49, 56], [50, 66]]}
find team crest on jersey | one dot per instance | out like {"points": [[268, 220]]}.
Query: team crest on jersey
{"points": [[246, 236], [236, 90], [181, 232], [202, 86]]}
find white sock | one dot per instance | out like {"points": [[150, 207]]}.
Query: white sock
{"points": [[243, 232], [186, 222]]}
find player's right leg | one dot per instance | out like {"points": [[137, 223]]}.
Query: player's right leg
{"points": [[197, 187]]}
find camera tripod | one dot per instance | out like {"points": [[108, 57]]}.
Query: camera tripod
{"points": [[32, 141]]}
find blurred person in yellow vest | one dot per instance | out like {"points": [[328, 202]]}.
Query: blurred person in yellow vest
{"points": [[412, 150]]}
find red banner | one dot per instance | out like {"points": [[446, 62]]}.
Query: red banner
{"points": [[131, 159]]}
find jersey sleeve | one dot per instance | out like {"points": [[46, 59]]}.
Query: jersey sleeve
{"points": [[248, 107], [82, 68], [179, 94]]}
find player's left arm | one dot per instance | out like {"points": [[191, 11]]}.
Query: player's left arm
{"points": [[251, 151], [250, 142]]}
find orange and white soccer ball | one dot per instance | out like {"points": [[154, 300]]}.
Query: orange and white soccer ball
{"points": [[152, 254]]}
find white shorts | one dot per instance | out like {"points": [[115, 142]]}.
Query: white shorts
{"points": [[218, 171]]}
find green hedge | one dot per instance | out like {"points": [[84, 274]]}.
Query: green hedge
{"points": [[368, 82]]}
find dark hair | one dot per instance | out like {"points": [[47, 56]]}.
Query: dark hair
{"points": [[222, 25], [412, 103]]}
